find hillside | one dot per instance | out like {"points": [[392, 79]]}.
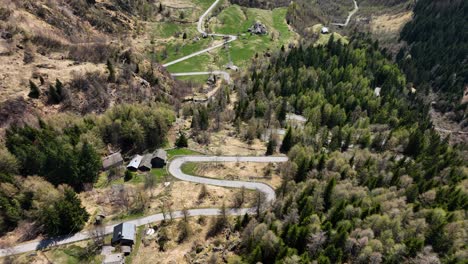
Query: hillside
{"points": [[436, 56], [233, 131], [76, 43]]}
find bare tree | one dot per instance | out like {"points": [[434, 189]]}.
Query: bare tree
{"points": [[163, 211], [203, 192], [239, 199], [260, 199], [150, 183], [185, 214]]}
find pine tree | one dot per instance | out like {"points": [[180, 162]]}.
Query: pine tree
{"points": [[110, 68], [54, 98], [271, 146], [34, 90], [65, 216], [287, 142], [328, 193], [283, 110], [182, 141], [89, 164], [59, 89]]}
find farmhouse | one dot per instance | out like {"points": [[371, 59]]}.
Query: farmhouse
{"points": [[124, 235], [135, 163], [112, 161]]}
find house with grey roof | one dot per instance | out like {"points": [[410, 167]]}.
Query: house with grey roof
{"points": [[112, 161], [134, 164], [145, 164], [124, 234], [159, 158]]}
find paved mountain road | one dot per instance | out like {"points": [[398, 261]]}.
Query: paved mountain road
{"points": [[176, 170]]}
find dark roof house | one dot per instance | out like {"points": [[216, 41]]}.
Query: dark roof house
{"points": [[145, 164], [124, 234], [159, 158], [112, 161]]}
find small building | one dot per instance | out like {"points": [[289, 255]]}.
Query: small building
{"points": [[377, 91], [258, 28], [134, 163], [325, 30], [124, 235], [294, 120], [145, 164], [116, 258], [159, 159], [231, 66], [112, 161]]}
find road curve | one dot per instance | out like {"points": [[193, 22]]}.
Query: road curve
{"points": [[226, 76], [175, 169], [201, 30], [351, 13]]}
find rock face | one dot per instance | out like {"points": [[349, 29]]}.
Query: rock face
{"points": [[258, 28]]}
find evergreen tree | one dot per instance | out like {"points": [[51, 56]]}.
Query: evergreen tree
{"points": [[328, 193], [182, 141], [271, 146], [287, 141], [415, 143], [54, 97], [89, 164], [34, 90], [65, 216], [283, 111], [59, 89], [110, 68]]}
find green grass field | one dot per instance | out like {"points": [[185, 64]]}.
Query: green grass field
{"points": [[72, 254], [189, 168], [231, 20], [182, 151]]}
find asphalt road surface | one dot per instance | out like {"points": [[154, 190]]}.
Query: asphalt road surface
{"points": [[176, 171]]}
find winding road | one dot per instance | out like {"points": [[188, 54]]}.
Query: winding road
{"points": [[351, 13], [175, 168], [201, 30]]}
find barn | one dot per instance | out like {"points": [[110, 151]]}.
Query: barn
{"points": [[159, 158], [135, 163]]}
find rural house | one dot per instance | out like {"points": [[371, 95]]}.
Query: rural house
{"points": [[124, 235], [112, 161], [145, 164], [159, 158], [135, 163]]}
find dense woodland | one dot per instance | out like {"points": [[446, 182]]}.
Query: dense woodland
{"points": [[66, 152], [437, 52], [369, 181]]}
